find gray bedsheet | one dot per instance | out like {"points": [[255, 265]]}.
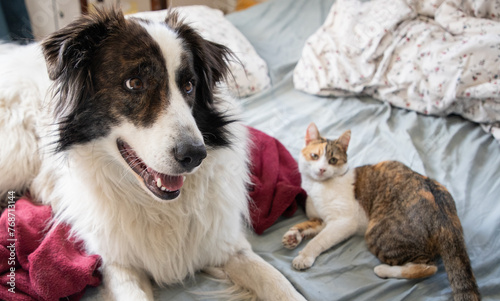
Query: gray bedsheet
{"points": [[456, 152]]}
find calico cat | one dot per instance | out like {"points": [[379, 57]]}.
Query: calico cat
{"points": [[408, 220]]}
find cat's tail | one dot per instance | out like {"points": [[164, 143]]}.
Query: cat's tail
{"points": [[457, 263]]}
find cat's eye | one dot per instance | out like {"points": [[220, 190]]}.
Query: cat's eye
{"points": [[314, 156], [333, 161], [134, 84]]}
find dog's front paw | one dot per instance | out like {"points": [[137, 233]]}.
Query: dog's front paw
{"points": [[291, 239], [302, 262]]}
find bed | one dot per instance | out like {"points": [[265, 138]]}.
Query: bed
{"points": [[454, 150]]}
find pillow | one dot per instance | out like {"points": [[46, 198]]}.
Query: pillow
{"points": [[249, 75]]}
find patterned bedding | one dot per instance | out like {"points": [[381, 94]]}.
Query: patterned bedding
{"points": [[436, 57]]}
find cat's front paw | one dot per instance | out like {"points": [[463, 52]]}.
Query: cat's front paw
{"points": [[302, 262], [291, 239]]}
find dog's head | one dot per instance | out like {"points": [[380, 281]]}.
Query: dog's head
{"points": [[148, 86]]}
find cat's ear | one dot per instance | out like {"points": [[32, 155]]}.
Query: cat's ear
{"points": [[344, 139], [312, 133]]}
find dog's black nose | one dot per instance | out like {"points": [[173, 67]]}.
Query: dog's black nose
{"points": [[190, 154]]}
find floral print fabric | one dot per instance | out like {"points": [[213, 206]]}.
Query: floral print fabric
{"points": [[436, 57]]}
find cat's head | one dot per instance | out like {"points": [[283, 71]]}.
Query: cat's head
{"points": [[321, 158]]}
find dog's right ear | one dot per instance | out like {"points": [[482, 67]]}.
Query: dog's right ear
{"points": [[71, 48], [69, 53]]}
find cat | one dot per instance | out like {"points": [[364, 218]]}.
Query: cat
{"points": [[408, 220]]}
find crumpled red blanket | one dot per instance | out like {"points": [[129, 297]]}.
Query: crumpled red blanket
{"points": [[276, 189], [41, 264]]}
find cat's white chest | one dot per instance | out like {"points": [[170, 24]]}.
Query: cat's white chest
{"points": [[333, 198]]}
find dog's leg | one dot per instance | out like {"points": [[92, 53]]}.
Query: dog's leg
{"points": [[124, 283], [248, 270]]}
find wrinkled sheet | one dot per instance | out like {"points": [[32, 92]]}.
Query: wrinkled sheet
{"points": [[436, 57], [456, 152]]}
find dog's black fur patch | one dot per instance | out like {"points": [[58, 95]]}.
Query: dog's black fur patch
{"points": [[210, 64]]}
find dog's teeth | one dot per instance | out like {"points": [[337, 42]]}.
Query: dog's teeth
{"points": [[184, 178], [158, 182], [163, 188]]}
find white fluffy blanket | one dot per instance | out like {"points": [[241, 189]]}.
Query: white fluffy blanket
{"points": [[437, 57]]}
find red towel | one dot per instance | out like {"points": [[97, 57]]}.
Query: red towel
{"points": [[276, 181], [41, 264]]}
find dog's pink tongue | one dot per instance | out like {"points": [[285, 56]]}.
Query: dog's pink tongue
{"points": [[171, 183]]}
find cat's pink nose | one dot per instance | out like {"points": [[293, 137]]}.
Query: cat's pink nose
{"points": [[322, 171]]}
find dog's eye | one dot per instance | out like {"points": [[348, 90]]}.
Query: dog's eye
{"points": [[134, 84], [189, 87]]}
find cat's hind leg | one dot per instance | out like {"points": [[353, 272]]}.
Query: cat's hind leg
{"points": [[294, 236], [407, 271]]}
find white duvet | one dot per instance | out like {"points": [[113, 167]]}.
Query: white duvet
{"points": [[436, 57]]}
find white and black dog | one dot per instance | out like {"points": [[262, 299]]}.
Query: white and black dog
{"points": [[136, 149]]}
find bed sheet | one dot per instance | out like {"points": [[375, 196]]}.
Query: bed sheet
{"points": [[456, 152]]}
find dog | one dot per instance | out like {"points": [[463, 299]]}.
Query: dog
{"points": [[127, 134]]}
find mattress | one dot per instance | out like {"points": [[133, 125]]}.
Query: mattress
{"points": [[456, 152]]}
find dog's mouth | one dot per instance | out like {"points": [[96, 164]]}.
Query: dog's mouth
{"points": [[163, 186]]}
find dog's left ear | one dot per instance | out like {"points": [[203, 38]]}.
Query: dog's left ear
{"points": [[210, 59]]}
